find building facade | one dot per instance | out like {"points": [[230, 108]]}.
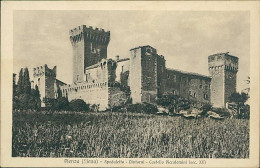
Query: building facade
{"points": [[142, 77]]}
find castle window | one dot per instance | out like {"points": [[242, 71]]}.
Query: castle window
{"points": [[190, 93], [173, 92], [168, 76], [205, 96], [194, 94], [209, 86], [122, 68]]}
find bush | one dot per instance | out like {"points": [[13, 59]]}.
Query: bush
{"points": [[221, 111], [174, 102], [78, 105], [142, 108], [205, 108], [94, 107], [61, 103]]}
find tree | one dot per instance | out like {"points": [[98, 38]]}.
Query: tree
{"points": [[239, 100], [174, 103], [79, 105], [26, 98], [26, 82], [61, 103], [20, 84], [34, 101]]}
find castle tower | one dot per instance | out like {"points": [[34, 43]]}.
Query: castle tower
{"points": [[146, 66], [89, 47], [223, 70], [45, 79]]}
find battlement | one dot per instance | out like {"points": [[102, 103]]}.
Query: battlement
{"points": [[44, 70], [81, 86], [103, 64], [161, 56], [89, 33], [223, 61], [146, 48]]}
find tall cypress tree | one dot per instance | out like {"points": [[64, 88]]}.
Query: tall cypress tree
{"points": [[27, 83], [20, 83]]}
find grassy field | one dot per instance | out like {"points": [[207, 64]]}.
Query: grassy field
{"points": [[127, 135]]}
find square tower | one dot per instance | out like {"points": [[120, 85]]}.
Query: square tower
{"points": [[223, 70], [146, 74], [45, 79], [89, 47]]}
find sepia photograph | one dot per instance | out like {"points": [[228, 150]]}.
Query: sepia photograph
{"points": [[131, 84]]}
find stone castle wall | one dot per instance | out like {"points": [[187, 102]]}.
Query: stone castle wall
{"points": [[222, 68], [135, 75], [191, 86], [90, 93], [122, 71]]}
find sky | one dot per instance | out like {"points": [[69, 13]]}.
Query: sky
{"points": [[185, 38]]}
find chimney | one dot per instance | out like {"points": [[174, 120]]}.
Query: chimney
{"points": [[117, 57]]}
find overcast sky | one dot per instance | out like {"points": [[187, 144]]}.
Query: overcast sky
{"points": [[185, 38]]}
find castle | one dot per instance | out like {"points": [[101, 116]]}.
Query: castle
{"points": [[142, 77]]}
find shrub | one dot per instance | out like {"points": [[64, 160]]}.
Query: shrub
{"points": [[62, 103], [221, 111], [174, 102], [79, 105], [94, 107], [205, 108], [142, 108]]}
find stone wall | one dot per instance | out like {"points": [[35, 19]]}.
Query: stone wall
{"points": [[135, 75], [191, 86], [90, 93], [161, 72], [122, 71], [230, 84]]}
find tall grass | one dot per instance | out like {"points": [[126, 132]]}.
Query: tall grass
{"points": [[127, 135]]}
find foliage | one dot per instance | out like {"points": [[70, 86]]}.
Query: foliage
{"points": [[94, 107], [20, 83], [24, 97], [221, 111], [238, 98], [243, 111], [61, 103], [142, 108], [174, 102], [127, 135], [79, 105], [26, 82], [205, 108]]}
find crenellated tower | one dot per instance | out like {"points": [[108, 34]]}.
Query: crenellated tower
{"points": [[89, 47], [45, 78], [223, 70]]}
